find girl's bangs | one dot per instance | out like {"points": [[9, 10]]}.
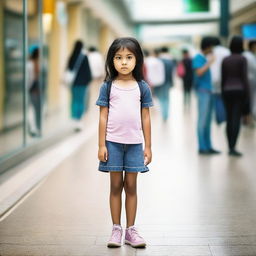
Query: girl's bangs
{"points": [[128, 45]]}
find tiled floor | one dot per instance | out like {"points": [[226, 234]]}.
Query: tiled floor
{"points": [[189, 205]]}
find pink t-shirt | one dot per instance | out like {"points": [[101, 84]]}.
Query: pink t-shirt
{"points": [[124, 117]]}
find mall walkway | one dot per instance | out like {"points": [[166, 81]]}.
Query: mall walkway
{"points": [[189, 205]]}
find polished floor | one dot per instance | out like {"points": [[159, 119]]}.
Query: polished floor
{"points": [[189, 205]]}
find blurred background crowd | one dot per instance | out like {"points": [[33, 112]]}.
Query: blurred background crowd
{"points": [[52, 53]]}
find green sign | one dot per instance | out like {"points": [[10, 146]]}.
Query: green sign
{"points": [[196, 5]]}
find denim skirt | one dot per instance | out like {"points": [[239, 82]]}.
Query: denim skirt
{"points": [[124, 157]]}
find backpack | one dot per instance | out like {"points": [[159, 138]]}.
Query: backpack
{"points": [[181, 70]]}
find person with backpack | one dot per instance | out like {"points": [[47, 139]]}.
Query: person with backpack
{"points": [[187, 77], [124, 125]]}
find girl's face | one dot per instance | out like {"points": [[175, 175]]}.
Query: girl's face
{"points": [[124, 61]]}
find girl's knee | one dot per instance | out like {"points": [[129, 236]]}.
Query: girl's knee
{"points": [[130, 188], [117, 188]]}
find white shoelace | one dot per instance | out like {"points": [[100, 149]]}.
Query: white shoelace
{"points": [[135, 231], [116, 235]]}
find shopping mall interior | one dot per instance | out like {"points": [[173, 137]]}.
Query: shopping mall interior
{"points": [[53, 199]]}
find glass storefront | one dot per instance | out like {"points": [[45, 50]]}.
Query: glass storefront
{"points": [[33, 104], [12, 60], [36, 40]]}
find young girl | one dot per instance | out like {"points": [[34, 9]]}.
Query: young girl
{"points": [[124, 102]]}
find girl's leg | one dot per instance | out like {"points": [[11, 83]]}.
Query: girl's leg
{"points": [[115, 199], [130, 187]]}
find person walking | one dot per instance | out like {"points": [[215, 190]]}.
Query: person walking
{"points": [[235, 91], [162, 92], [187, 77], [35, 93], [219, 53], [124, 101], [250, 56], [153, 69], [79, 64], [96, 63]]}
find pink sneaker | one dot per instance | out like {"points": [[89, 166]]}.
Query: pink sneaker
{"points": [[133, 238], [116, 237]]}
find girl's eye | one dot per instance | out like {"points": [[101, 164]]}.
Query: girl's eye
{"points": [[118, 58], [130, 57]]}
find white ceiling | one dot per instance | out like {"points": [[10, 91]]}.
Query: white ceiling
{"points": [[166, 10], [169, 32], [236, 5]]}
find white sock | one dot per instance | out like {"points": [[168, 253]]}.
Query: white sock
{"points": [[117, 225], [130, 227]]}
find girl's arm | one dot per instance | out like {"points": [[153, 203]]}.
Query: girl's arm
{"points": [[102, 152], [146, 127]]}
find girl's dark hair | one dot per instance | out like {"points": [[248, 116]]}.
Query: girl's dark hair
{"points": [[75, 53], [236, 45], [132, 45]]}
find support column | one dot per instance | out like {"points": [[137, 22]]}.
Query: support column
{"points": [[224, 19], [75, 24], [57, 57], [2, 86], [106, 38]]}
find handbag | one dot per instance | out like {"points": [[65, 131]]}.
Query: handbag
{"points": [[70, 75], [220, 110]]}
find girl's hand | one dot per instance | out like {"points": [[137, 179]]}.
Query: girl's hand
{"points": [[147, 155], [103, 154]]}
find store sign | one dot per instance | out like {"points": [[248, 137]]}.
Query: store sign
{"points": [[196, 6]]}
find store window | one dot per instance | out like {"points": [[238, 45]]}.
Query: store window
{"points": [[12, 76], [33, 105]]}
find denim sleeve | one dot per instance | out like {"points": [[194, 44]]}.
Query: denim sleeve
{"points": [[146, 97], [103, 96]]}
